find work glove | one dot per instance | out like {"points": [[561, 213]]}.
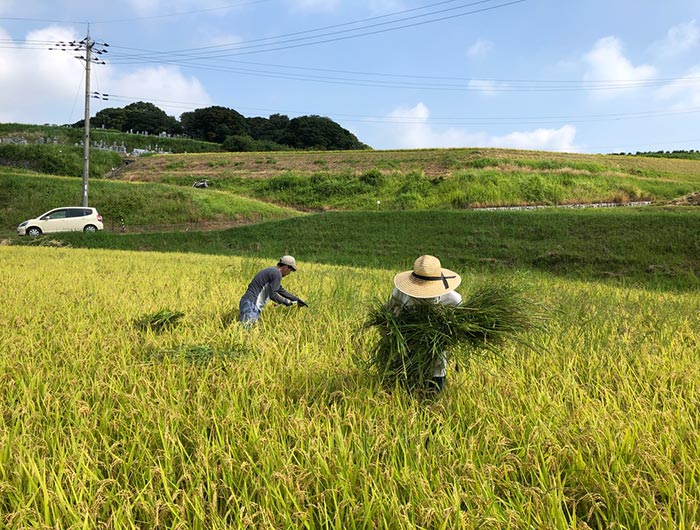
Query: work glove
{"points": [[301, 303]]}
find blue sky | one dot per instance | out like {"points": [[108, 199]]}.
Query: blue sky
{"points": [[590, 76]]}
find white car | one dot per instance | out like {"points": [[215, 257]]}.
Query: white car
{"points": [[67, 219]]}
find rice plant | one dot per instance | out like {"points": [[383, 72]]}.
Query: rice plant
{"points": [[159, 321], [410, 343], [202, 353], [597, 431]]}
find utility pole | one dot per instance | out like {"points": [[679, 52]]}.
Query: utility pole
{"points": [[86, 134], [87, 44]]}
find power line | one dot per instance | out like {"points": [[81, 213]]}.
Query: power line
{"points": [[222, 51], [476, 120], [397, 80], [393, 81], [223, 47]]}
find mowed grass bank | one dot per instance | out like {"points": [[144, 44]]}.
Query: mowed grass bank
{"points": [[103, 425], [27, 194], [428, 178], [642, 246]]}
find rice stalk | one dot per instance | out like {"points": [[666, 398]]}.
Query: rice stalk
{"points": [[159, 321], [410, 343], [202, 353]]}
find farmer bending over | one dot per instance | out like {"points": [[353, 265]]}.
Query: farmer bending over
{"points": [[427, 283], [265, 286]]}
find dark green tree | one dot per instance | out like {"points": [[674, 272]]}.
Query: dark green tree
{"points": [[136, 117], [213, 124], [112, 118], [317, 132], [270, 129], [146, 117], [243, 142]]}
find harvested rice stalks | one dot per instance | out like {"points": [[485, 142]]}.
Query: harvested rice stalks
{"points": [[410, 343]]}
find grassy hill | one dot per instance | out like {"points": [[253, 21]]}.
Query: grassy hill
{"points": [[129, 206], [426, 179]]}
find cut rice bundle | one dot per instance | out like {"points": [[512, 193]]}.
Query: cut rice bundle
{"points": [[159, 321], [411, 343]]}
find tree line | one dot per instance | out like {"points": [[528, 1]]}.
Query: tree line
{"points": [[231, 129], [691, 154]]}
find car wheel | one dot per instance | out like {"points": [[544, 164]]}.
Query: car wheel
{"points": [[34, 231], [90, 228]]}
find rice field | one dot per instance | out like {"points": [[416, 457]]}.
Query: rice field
{"points": [[202, 425]]}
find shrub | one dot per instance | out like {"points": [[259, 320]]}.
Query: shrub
{"points": [[481, 163], [373, 177]]}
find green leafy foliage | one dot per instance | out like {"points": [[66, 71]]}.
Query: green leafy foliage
{"points": [[57, 159], [136, 117], [319, 133], [213, 124], [246, 143]]}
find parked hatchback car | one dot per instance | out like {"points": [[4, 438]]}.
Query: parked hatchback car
{"points": [[67, 219]]}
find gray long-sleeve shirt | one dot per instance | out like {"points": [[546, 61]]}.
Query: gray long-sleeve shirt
{"points": [[265, 286]]}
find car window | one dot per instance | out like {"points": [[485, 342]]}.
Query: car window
{"points": [[57, 214], [78, 212]]}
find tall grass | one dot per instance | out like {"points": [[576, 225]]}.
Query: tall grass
{"points": [[487, 186], [599, 430], [56, 159]]}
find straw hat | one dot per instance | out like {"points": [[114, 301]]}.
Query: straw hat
{"points": [[427, 279]]}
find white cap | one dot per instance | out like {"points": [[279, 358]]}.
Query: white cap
{"points": [[289, 261]]}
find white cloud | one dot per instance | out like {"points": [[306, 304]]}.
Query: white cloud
{"points": [[414, 131], [38, 85], [42, 86], [561, 139], [480, 48], [684, 92], [679, 39], [164, 86], [606, 62]]}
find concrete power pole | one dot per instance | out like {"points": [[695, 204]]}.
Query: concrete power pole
{"points": [[86, 134], [86, 44]]}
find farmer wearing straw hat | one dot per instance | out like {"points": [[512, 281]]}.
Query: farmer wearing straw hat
{"points": [[427, 283], [265, 286]]}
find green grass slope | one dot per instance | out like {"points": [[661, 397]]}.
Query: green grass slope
{"points": [[426, 179], [648, 246], [129, 205]]}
